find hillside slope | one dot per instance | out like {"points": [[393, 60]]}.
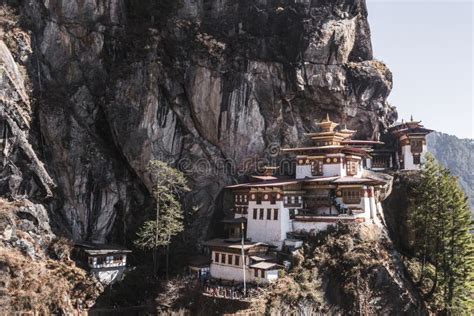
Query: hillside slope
{"points": [[458, 156]]}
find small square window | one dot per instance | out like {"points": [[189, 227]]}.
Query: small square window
{"points": [[416, 159]]}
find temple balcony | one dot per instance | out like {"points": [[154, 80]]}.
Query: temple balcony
{"points": [[316, 216]]}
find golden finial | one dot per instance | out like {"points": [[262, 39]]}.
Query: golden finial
{"points": [[411, 118]]}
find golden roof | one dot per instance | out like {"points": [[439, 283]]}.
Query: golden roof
{"points": [[348, 132], [327, 125]]}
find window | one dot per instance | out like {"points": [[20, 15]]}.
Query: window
{"points": [[256, 273], [245, 198], [222, 258], [352, 167], [275, 214], [259, 199], [254, 213], [237, 260], [317, 168], [380, 162], [416, 145], [416, 159], [351, 196], [261, 213], [272, 198], [262, 273], [236, 198], [300, 199], [285, 199], [292, 200], [230, 259], [92, 261], [269, 213], [216, 257], [321, 195], [292, 213]]}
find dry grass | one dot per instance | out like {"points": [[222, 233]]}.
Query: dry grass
{"points": [[39, 284], [44, 287]]}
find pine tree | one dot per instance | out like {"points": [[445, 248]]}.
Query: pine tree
{"points": [[168, 185], [458, 253], [441, 222], [422, 219]]}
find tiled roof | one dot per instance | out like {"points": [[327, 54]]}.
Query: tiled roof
{"points": [[334, 180], [232, 244], [264, 265]]}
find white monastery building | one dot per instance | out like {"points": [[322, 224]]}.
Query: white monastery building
{"points": [[335, 181]]}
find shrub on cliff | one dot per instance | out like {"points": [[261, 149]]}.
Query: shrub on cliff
{"points": [[168, 184]]}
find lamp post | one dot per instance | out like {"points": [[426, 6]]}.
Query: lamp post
{"points": [[243, 256]]}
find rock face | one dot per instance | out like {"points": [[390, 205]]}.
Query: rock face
{"points": [[93, 90]]}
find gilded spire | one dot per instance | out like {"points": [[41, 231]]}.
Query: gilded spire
{"points": [[327, 125]]}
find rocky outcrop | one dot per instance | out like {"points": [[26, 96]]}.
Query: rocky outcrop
{"points": [[202, 84], [36, 272]]}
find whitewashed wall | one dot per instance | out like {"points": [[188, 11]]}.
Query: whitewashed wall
{"points": [[268, 230], [228, 272], [310, 226], [303, 171], [336, 169]]}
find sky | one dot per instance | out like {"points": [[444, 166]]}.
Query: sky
{"points": [[428, 45]]}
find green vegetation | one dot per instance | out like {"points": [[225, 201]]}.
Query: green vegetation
{"points": [[168, 185], [441, 224]]}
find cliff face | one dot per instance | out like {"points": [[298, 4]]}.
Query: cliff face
{"points": [[92, 90]]}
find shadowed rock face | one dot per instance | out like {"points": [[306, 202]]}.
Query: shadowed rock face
{"points": [[118, 83]]}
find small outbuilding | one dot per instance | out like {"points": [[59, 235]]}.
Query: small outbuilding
{"points": [[199, 267], [266, 271], [106, 262]]}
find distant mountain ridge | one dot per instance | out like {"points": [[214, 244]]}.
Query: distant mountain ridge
{"points": [[456, 155]]}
